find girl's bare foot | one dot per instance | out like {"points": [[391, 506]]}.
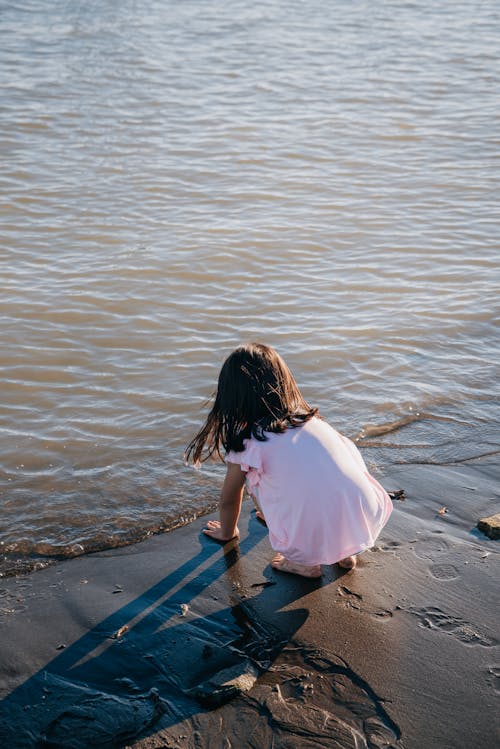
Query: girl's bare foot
{"points": [[284, 565], [259, 515], [214, 530], [349, 563]]}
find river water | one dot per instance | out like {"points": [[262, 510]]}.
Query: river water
{"points": [[182, 176]]}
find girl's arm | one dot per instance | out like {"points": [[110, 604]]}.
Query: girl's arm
{"points": [[230, 505]]}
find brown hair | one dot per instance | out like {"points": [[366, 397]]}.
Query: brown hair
{"points": [[256, 393]]}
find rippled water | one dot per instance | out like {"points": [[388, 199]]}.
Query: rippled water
{"points": [[179, 177]]}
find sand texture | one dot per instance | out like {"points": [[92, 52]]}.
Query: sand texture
{"points": [[180, 642]]}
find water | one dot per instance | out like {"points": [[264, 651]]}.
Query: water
{"points": [[179, 177]]}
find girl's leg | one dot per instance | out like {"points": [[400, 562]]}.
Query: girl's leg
{"points": [[259, 513], [284, 565], [279, 562]]}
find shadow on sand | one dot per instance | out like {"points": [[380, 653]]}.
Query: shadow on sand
{"points": [[156, 658]]}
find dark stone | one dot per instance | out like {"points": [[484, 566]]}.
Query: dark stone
{"points": [[490, 526], [225, 685]]}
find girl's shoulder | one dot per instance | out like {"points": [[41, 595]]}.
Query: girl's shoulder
{"points": [[249, 458], [322, 432]]}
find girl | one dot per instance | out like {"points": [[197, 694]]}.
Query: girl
{"points": [[309, 482]]}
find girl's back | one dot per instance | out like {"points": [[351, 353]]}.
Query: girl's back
{"points": [[320, 503]]}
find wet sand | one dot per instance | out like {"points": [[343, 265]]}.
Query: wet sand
{"points": [[179, 642]]}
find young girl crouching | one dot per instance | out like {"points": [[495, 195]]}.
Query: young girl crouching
{"points": [[309, 482]]}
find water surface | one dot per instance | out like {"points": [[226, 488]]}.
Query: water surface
{"points": [[179, 177]]}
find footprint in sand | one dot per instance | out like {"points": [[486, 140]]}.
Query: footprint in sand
{"points": [[429, 548], [433, 618], [381, 615], [389, 547], [353, 600], [443, 571]]}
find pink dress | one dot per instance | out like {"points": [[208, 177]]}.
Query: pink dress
{"points": [[320, 503]]}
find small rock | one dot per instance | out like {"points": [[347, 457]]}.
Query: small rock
{"points": [[120, 632], [490, 526], [225, 685], [398, 495]]}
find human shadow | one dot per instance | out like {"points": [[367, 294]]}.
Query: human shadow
{"points": [[156, 660]]}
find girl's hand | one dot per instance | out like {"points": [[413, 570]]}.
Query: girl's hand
{"points": [[214, 530]]}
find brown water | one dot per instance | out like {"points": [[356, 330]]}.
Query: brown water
{"points": [[179, 177]]}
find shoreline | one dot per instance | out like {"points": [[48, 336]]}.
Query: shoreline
{"points": [[174, 640], [23, 557]]}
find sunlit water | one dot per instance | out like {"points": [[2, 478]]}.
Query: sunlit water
{"points": [[178, 177]]}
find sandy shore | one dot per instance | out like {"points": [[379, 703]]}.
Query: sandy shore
{"points": [[179, 642]]}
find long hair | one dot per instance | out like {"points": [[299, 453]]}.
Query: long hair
{"points": [[256, 393]]}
